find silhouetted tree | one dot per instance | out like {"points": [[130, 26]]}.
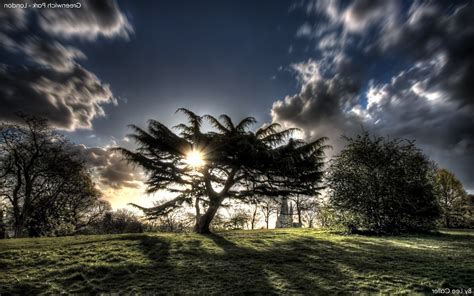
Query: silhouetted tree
{"points": [[70, 206], [237, 163], [86, 219], [120, 221], [383, 185], [43, 182]]}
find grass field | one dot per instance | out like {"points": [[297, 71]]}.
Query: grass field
{"points": [[295, 261]]}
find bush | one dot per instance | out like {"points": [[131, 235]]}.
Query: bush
{"points": [[383, 186], [120, 221]]}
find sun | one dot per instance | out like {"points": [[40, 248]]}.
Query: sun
{"points": [[195, 159]]}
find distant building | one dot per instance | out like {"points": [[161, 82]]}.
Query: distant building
{"points": [[285, 215]]}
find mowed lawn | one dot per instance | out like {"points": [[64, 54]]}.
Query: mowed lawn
{"points": [[295, 261]]}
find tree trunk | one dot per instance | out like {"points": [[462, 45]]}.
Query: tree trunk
{"points": [[203, 224], [18, 228], [198, 210], [300, 221], [215, 201], [254, 216]]}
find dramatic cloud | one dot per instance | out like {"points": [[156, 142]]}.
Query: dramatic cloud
{"points": [[322, 106], [405, 107], [51, 83], [110, 170], [70, 100], [94, 19], [431, 35], [442, 125], [430, 101], [59, 89], [52, 54]]}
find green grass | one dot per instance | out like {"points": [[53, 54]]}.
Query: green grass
{"points": [[295, 261]]}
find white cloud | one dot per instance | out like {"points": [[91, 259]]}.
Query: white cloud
{"points": [[94, 19], [69, 100]]}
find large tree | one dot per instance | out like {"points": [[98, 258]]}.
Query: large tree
{"points": [[383, 185], [42, 181], [228, 162]]}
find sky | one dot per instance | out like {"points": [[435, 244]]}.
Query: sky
{"points": [[395, 68]]}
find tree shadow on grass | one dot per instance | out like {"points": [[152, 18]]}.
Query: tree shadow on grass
{"points": [[279, 269], [360, 264], [92, 275], [233, 264], [415, 261]]}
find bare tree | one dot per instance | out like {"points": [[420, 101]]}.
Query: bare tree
{"points": [[254, 213], [311, 210], [268, 207], [301, 204]]}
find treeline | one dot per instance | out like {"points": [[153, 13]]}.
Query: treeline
{"points": [[374, 184]]}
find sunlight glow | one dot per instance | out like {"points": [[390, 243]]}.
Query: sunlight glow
{"points": [[195, 159]]}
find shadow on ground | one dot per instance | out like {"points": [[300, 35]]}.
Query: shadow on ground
{"points": [[244, 263]]}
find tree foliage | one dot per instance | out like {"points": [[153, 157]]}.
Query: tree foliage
{"points": [[383, 185], [120, 221], [46, 187], [456, 206], [238, 163]]}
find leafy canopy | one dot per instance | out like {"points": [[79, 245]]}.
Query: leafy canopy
{"points": [[383, 185]]}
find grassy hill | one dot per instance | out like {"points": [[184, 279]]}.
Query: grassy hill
{"points": [[295, 261]]}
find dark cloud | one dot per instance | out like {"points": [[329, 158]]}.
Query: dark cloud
{"points": [[12, 19], [321, 108], [70, 100], [429, 34], [94, 19], [407, 107], [59, 89], [430, 101], [109, 169], [7, 43]]}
